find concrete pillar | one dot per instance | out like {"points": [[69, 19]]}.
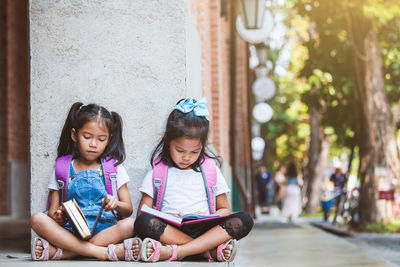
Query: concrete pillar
{"points": [[133, 57]]}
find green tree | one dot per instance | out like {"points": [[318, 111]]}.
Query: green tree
{"points": [[342, 42]]}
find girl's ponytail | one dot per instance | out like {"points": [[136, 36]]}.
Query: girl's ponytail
{"points": [[66, 144], [116, 147]]}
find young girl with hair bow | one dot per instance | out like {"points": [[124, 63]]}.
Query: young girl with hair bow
{"points": [[185, 179]]}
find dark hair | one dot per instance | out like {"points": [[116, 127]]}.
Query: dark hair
{"points": [[291, 169], [281, 166], [80, 114], [187, 125]]}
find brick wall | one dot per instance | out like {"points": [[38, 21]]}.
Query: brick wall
{"points": [[3, 110], [14, 98], [18, 81], [241, 102], [200, 10], [214, 20], [214, 31]]}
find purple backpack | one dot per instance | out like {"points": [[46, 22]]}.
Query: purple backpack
{"points": [[208, 172], [62, 173]]}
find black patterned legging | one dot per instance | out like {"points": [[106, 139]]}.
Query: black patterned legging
{"points": [[237, 225]]}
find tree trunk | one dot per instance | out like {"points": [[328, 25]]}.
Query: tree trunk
{"points": [[317, 160], [377, 131], [350, 162]]}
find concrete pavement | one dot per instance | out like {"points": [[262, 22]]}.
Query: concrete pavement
{"points": [[272, 242], [300, 245]]}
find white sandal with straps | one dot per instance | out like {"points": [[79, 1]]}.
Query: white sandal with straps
{"points": [[45, 252], [128, 243]]}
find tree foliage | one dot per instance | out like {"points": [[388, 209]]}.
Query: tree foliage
{"points": [[329, 66], [340, 69], [321, 72]]}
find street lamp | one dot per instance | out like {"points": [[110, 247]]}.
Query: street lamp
{"points": [[262, 53], [264, 88], [262, 112], [257, 147], [256, 35], [252, 12]]}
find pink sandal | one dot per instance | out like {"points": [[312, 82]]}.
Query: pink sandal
{"points": [[207, 255], [220, 248], [220, 254], [155, 256], [45, 252]]}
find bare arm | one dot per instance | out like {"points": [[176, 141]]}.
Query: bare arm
{"points": [[146, 199], [55, 210], [123, 206], [222, 205]]}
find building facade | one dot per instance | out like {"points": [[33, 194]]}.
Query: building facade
{"points": [[41, 63], [14, 109]]}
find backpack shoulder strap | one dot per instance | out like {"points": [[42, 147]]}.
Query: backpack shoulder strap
{"points": [[110, 171], [209, 172], [62, 173], [159, 179]]}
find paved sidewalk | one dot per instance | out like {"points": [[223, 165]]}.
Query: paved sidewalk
{"points": [[271, 243], [386, 246]]}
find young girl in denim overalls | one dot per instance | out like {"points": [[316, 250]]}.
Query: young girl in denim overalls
{"points": [[183, 150], [90, 134]]}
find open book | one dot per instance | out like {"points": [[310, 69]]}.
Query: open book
{"points": [[179, 221]]}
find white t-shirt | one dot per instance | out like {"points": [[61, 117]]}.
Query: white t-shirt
{"points": [[122, 178], [280, 177], [185, 191]]}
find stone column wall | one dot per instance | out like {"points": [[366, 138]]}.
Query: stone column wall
{"points": [[129, 56]]}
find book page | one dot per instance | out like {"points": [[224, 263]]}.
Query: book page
{"points": [[82, 216], [161, 215], [193, 216], [81, 219], [186, 219], [73, 221], [75, 215]]}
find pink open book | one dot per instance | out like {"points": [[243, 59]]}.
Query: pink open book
{"points": [[179, 221]]}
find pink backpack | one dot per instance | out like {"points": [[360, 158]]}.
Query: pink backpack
{"points": [[208, 172], [62, 175]]}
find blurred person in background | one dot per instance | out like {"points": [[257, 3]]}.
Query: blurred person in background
{"points": [[264, 180], [280, 185], [339, 180], [292, 201]]}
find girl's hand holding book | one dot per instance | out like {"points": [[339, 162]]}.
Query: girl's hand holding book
{"points": [[111, 203], [59, 216]]}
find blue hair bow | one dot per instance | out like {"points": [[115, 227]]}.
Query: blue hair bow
{"points": [[199, 108]]}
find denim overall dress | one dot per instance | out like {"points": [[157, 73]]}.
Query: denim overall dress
{"points": [[88, 189]]}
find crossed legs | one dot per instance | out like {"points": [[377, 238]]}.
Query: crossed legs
{"points": [[236, 226], [72, 246]]}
